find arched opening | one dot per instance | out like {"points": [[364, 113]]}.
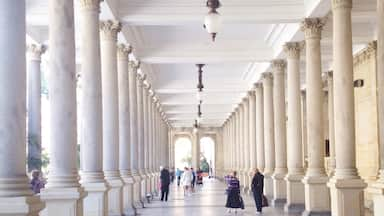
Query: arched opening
{"points": [[207, 155], [183, 153]]}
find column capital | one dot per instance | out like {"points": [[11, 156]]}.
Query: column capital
{"points": [[312, 27], [141, 77], [251, 93], [258, 85], [292, 49], [90, 4], [123, 51], [346, 4], [278, 66], [134, 65], [35, 51], [328, 74], [267, 78], [109, 29]]}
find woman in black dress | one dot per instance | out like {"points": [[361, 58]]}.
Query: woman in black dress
{"points": [[234, 200]]}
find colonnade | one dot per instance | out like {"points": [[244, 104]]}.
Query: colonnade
{"points": [[280, 156], [123, 132]]}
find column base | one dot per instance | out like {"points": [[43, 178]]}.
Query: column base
{"points": [[295, 194], [115, 197], [21, 206], [347, 196], [279, 190], [377, 191], [137, 202], [96, 203], [128, 208], [268, 186], [317, 196], [63, 201]]}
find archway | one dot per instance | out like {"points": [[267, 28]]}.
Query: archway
{"points": [[183, 153], [207, 155]]}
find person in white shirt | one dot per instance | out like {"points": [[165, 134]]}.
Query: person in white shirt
{"points": [[186, 180]]}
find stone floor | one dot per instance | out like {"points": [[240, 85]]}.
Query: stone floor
{"points": [[208, 200]]}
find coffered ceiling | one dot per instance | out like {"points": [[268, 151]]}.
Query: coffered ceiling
{"points": [[168, 38]]}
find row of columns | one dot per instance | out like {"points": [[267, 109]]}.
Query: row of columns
{"points": [[123, 131], [279, 155]]}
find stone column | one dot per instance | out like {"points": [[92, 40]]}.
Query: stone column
{"points": [[269, 143], [34, 53], [260, 127], [378, 188], [92, 176], [316, 191], [279, 184], [154, 127], [241, 144], [132, 68], [347, 188], [252, 136], [246, 151], [63, 195], [140, 140], [148, 138], [295, 187], [331, 123], [123, 52], [236, 144], [304, 127], [153, 152], [15, 196], [108, 32]]}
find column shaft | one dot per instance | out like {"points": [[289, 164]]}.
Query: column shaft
{"points": [[14, 187], [260, 127]]}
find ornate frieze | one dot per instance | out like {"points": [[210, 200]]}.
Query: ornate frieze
{"points": [[312, 27], [109, 29]]}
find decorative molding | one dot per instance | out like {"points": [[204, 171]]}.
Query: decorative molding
{"points": [[109, 29], [292, 49], [340, 4], [123, 51], [365, 54], [35, 51], [312, 27]]}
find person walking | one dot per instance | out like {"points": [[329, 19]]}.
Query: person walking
{"points": [[165, 181], [186, 180], [37, 182], [234, 200], [257, 189], [178, 176], [193, 179]]}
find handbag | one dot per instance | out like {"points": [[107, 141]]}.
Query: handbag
{"points": [[264, 201]]}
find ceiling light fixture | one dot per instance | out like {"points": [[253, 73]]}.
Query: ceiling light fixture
{"points": [[212, 21]]}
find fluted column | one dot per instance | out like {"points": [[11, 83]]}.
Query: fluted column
{"points": [[108, 32], [140, 140], [34, 53], [346, 186], [148, 138], [153, 138], [92, 176], [260, 126], [15, 194], [331, 124], [63, 195], [252, 134], [378, 188], [241, 144], [279, 184], [246, 151], [237, 140], [123, 52], [316, 192], [295, 187], [269, 143], [304, 127]]}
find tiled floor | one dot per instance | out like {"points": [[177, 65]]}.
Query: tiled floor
{"points": [[208, 200]]}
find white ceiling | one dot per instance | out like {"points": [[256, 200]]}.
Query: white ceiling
{"points": [[168, 38]]}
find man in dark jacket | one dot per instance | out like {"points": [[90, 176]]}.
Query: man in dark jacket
{"points": [[257, 189], [165, 181]]}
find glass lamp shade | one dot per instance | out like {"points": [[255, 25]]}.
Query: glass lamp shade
{"points": [[212, 22]]}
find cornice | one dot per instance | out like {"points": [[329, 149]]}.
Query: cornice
{"points": [[365, 54]]}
